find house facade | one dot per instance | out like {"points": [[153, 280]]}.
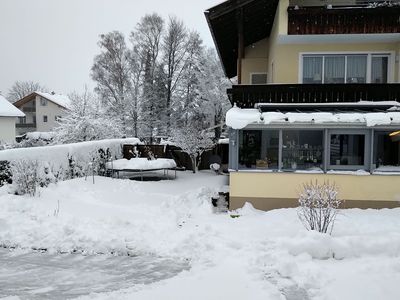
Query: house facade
{"points": [[8, 116], [317, 98], [41, 111]]}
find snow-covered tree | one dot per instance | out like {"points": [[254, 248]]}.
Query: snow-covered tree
{"points": [[86, 121], [192, 140], [20, 89], [212, 87], [112, 73]]}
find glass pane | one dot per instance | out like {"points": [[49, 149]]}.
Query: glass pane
{"points": [[302, 150], [334, 69], [347, 150], [379, 69], [249, 148], [312, 69], [387, 152], [357, 69], [270, 151], [259, 149]]}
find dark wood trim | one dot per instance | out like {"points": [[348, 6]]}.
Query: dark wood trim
{"points": [[247, 96], [343, 20], [240, 44]]}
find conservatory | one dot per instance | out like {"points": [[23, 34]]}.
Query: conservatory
{"points": [[275, 148]]}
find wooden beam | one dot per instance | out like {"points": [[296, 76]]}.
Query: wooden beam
{"points": [[240, 44]]}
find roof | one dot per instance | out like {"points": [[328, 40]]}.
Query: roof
{"points": [[58, 99], [258, 19], [364, 114], [7, 109]]}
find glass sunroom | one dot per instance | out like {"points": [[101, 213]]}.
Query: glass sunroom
{"points": [[362, 137]]}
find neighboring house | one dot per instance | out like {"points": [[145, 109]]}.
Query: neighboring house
{"points": [[42, 111], [8, 116], [317, 98]]}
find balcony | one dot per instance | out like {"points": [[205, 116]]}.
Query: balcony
{"points": [[343, 17], [247, 96], [26, 125]]}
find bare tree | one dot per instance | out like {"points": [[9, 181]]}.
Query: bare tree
{"points": [[319, 206], [112, 72], [174, 47], [20, 89], [147, 38]]}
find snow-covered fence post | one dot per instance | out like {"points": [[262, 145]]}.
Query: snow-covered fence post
{"points": [[319, 206]]}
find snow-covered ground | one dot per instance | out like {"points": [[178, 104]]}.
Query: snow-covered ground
{"points": [[247, 254]]}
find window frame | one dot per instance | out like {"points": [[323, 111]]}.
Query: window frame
{"points": [[370, 54], [367, 149], [45, 119]]}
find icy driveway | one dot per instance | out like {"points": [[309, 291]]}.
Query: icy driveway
{"points": [[44, 276]]}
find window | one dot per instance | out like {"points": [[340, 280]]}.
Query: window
{"points": [[347, 150], [22, 120], [249, 148], [45, 119], [345, 68], [258, 78], [302, 149], [43, 101], [259, 149], [379, 69], [387, 150]]}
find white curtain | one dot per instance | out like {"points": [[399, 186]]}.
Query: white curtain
{"points": [[334, 69], [312, 69], [356, 68]]}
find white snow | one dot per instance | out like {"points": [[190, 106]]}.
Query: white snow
{"points": [[7, 109], [57, 155], [58, 99], [141, 163], [257, 255], [35, 135], [238, 118]]}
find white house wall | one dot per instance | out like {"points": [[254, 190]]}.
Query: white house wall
{"points": [[7, 129], [51, 110]]}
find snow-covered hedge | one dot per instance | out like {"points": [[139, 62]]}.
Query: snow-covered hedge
{"points": [[67, 161]]}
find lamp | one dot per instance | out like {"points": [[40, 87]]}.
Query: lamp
{"points": [[394, 133]]}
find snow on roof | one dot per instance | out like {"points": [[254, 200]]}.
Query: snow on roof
{"points": [[9, 110], [58, 99], [238, 118]]}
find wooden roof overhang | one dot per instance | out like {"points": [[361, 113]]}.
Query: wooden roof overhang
{"points": [[236, 24], [25, 100]]}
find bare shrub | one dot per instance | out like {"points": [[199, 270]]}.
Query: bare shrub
{"points": [[319, 206], [29, 175]]}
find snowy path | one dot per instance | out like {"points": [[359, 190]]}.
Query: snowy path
{"points": [[37, 275], [258, 255]]}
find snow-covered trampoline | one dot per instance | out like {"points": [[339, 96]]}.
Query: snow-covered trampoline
{"points": [[141, 166]]}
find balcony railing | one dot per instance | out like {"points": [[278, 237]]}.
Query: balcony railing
{"points": [[343, 17], [26, 125], [344, 3], [247, 96]]}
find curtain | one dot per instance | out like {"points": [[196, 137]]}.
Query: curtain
{"points": [[312, 69], [334, 69], [356, 68], [379, 69]]}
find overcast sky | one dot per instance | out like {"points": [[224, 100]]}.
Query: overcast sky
{"points": [[53, 42]]}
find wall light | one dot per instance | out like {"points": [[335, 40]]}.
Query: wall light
{"points": [[394, 133]]}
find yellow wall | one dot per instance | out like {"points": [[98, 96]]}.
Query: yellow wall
{"points": [[286, 186], [283, 59], [255, 61]]}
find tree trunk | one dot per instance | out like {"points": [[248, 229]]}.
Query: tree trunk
{"points": [[194, 164]]}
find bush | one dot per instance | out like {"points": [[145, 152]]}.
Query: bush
{"points": [[28, 175], [319, 206], [5, 173]]}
